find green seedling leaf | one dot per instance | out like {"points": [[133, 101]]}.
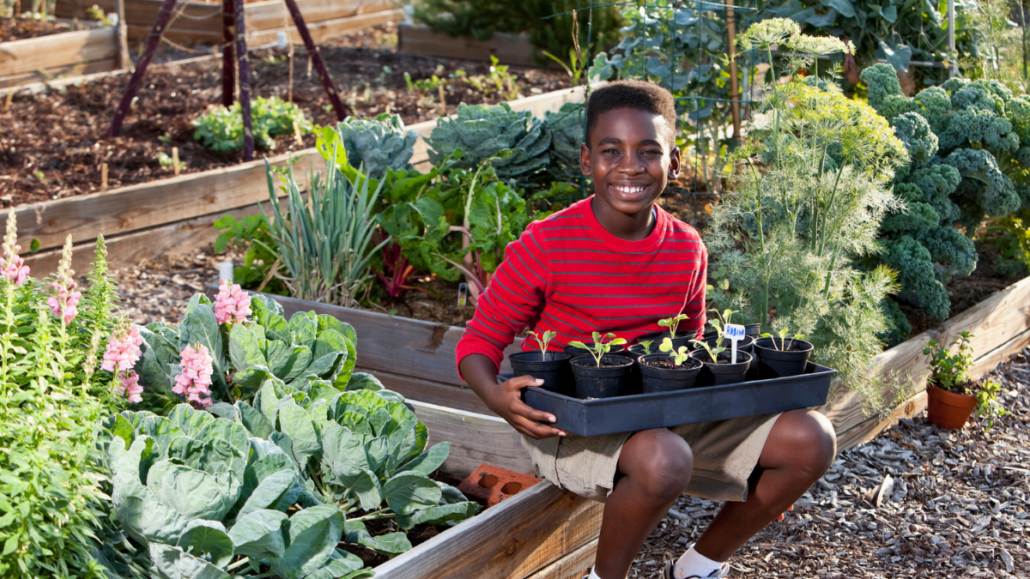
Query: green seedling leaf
{"points": [[430, 460]]}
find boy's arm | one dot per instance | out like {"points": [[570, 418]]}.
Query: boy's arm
{"points": [[513, 299]]}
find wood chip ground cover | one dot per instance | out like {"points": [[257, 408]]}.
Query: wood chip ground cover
{"points": [[915, 502], [53, 144]]}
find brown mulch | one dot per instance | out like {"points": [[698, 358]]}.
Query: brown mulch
{"points": [[53, 144], [22, 28], [953, 504]]}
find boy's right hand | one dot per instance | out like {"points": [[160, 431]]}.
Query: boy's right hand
{"points": [[505, 400]]}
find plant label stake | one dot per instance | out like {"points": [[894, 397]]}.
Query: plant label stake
{"points": [[734, 333]]}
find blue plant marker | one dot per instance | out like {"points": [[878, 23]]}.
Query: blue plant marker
{"points": [[734, 333]]}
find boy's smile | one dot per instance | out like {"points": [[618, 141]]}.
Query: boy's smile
{"points": [[631, 159]]}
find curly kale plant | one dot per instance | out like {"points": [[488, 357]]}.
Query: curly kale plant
{"points": [[969, 145], [376, 144], [484, 131]]}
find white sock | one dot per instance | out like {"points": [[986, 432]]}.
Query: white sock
{"points": [[693, 563], [592, 575]]}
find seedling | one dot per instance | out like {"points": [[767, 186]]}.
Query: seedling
{"points": [[647, 346], [783, 339], [722, 319], [678, 356], [673, 323], [543, 340], [601, 348], [948, 371]]}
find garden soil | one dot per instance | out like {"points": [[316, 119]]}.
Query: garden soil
{"points": [[53, 144]]}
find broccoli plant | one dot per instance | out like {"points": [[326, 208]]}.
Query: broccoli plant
{"points": [[969, 149], [375, 144]]}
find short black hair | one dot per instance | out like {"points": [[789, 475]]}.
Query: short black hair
{"points": [[632, 94]]}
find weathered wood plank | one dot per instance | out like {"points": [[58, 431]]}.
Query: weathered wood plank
{"points": [[77, 70], [507, 48], [475, 439], [327, 28], [69, 48], [450, 395], [147, 205], [572, 566], [270, 14], [512, 539], [1000, 326]]}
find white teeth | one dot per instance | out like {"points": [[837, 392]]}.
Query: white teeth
{"points": [[628, 190]]}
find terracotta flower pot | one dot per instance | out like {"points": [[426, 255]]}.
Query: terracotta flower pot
{"points": [[947, 409]]}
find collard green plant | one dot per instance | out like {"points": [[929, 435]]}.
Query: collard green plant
{"points": [[52, 393], [325, 241], [307, 351], [481, 132], [969, 144], [375, 145], [221, 129]]}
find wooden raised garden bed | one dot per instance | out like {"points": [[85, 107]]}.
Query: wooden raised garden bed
{"points": [[202, 22], [68, 53], [507, 48], [175, 215]]}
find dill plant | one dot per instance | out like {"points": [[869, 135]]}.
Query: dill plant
{"points": [[812, 188], [51, 399]]}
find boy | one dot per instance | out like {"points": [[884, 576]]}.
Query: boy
{"points": [[618, 263]]}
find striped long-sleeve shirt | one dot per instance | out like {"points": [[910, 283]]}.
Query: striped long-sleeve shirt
{"points": [[570, 275]]}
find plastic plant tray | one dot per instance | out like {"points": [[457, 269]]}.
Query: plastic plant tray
{"points": [[664, 409]]}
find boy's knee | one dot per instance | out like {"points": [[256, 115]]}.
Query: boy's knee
{"points": [[662, 464], [816, 442]]}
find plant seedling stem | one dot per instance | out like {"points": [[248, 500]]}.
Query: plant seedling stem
{"points": [[103, 176]]}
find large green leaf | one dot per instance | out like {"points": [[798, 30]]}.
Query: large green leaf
{"points": [[438, 514], [139, 511], [173, 563], [363, 381], [252, 378], [245, 349], [259, 535], [297, 364], [843, 7], [295, 422], [389, 544], [341, 565], [363, 484], [430, 460], [278, 355], [209, 538], [278, 491], [408, 491], [266, 400], [343, 452], [313, 535], [304, 326], [192, 493], [378, 450], [380, 421], [255, 422], [156, 366]]}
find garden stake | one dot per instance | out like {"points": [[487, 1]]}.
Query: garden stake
{"points": [[316, 58], [103, 176], [124, 61], [8, 99], [243, 69], [228, 56], [175, 161], [137, 76]]}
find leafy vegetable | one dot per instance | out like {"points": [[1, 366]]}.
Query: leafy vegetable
{"points": [[375, 145], [221, 129]]}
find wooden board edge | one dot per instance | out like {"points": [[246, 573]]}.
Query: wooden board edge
{"points": [[483, 439], [574, 565], [512, 49], [324, 29], [58, 50]]}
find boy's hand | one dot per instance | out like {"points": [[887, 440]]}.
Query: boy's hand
{"points": [[505, 400]]}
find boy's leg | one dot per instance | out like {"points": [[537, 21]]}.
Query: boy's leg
{"points": [[799, 450], [655, 466]]}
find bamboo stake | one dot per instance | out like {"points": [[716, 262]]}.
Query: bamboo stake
{"points": [[443, 100], [731, 30], [175, 161], [953, 69], [137, 76], [316, 60], [124, 60], [103, 177], [8, 100], [228, 55], [243, 67]]}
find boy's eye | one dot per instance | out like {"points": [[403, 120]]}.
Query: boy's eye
{"points": [[652, 153]]}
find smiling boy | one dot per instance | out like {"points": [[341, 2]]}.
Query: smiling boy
{"points": [[618, 263]]}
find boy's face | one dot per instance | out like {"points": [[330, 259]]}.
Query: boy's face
{"points": [[630, 159]]}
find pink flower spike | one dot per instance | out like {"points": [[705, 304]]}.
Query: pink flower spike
{"points": [[232, 304], [129, 385], [12, 266], [65, 301], [194, 380], [123, 350]]}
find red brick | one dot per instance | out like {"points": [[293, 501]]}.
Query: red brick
{"points": [[490, 484]]}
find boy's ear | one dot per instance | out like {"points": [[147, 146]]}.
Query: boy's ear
{"points": [[584, 160], [675, 161]]}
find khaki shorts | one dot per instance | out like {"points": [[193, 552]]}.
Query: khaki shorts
{"points": [[725, 454]]}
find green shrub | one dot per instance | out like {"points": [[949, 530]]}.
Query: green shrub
{"points": [[969, 144], [221, 129], [52, 393]]}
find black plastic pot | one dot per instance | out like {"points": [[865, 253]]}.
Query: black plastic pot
{"points": [[753, 330], [602, 382], [681, 339], [552, 368], [724, 372], [775, 363], [657, 379], [744, 345]]}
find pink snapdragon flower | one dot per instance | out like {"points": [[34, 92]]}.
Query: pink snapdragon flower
{"points": [[128, 385], [194, 381], [123, 350], [12, 266], [64, 303], [232, 304]]}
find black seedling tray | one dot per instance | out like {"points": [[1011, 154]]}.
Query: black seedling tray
{"points": [[665, 409]]}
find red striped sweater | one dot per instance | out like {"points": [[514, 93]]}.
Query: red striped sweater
{"points": [[570, 275]]}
